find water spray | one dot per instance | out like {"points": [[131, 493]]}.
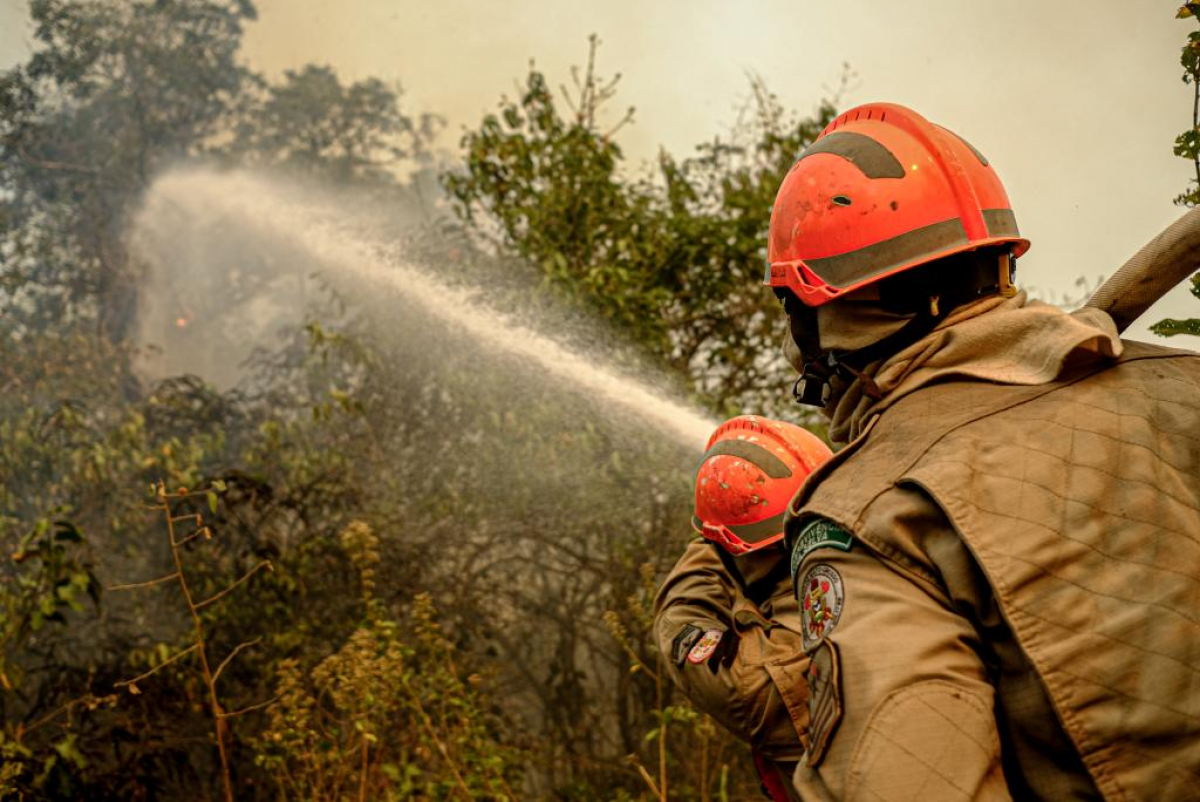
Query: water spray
{"points": [[206, 197]]}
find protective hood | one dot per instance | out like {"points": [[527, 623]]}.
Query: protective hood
{"points": [[1001, 340]]}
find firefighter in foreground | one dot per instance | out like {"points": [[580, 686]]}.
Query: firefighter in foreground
{"points": [[726, 618], [999, 574]]}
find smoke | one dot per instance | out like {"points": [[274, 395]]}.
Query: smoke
{"points": [[215, 287]]}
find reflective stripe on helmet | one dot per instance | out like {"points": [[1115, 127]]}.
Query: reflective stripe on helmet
{"points": [[870, 157], [1000, 223], [856, 266], [744, 536], [753, 453], [759, 529]]}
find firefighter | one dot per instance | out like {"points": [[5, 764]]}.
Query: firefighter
{"points": [[999, 574], [726, 617]]}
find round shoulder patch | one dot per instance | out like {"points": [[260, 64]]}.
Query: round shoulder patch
{"points": [[821, 596]]}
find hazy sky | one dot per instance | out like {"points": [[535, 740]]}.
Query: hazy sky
{"points": [[1076, 103]]}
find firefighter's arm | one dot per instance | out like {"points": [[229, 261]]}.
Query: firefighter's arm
{"points": [[697, 596], [902, 705], [696, 605]]}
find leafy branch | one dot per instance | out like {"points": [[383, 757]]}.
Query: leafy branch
{"points": [[1187, 146], [45, 590]]}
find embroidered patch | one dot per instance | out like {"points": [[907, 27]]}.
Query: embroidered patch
{"points": [[705, 646], [683, 642], [817, 534], [821, 597], [824, 700]]}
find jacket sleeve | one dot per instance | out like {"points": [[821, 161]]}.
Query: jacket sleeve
{"points": [[902, 702], [740, 693]]}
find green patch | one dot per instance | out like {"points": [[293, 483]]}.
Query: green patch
{"points": [[819, 533]]}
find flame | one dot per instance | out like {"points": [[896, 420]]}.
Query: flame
{"points": [[181, 322]]}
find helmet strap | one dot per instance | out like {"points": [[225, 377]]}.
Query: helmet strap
{"points": [[812, 388], [1008, 270]]}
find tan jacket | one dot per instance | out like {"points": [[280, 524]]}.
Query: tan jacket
{"points": [[1041, 546], [760, 696]]}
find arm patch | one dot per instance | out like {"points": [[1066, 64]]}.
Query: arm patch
{"points": [[818, 533], [683, 642]]}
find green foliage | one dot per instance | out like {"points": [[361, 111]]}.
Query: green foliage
{"points": [[1187, 146], [551, 185], [389, 715], [27, 774], [114, 92], [674, 259], [1169, 326], [62, 452], [48, 580], [118, 90], [70, 432], [524, 510]]}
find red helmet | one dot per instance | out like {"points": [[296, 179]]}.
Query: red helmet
{"points": [[880, 191], [751, 470]]}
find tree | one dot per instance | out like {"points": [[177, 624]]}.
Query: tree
{"points": [[523, 508], [1187, 146], [117, 91], [113, 91], [674, 259], [313, 122]]}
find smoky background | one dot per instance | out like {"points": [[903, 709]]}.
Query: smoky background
{"points": [[488, 320], [528, 504]]}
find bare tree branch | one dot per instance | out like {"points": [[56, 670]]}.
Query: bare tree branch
{"points": [[264, 564], [233, 654], [158, 667], [250, 709], [152, 582]]}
